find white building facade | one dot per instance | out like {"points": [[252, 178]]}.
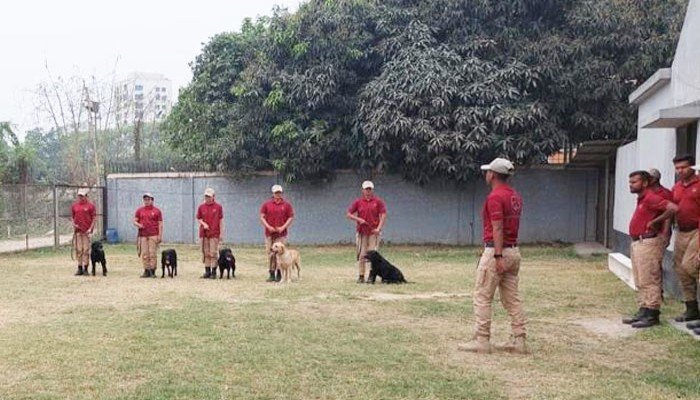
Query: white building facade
{"points": [[667, 125], [145, 97]]}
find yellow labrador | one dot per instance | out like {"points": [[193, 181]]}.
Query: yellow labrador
{"points": [[287, 259]]}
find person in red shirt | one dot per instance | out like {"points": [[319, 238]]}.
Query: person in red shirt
{"points": [[209, 215], [647, 249], [499, 264], [149, 221], [276, 216], [656, 187], [83, 214], [686, 248], [369, 213]]}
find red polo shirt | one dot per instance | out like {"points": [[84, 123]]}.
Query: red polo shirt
{"points": [[649, 206], [370, 210], [687, 197], [83, 213], [149, 217], [276, 214], [503, 204], [663, 192], [212, 214]]}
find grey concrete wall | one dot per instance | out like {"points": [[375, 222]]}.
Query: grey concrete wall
{"points": [[558, 205]]}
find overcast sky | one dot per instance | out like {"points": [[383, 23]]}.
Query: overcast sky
{"points": [[95, 38]]}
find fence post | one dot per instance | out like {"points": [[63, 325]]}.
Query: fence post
{"points": [[56, 237]]}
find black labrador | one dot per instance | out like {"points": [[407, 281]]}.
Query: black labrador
{"points": [[97, 255], [168, 260], [383, 268], [226, 262]]}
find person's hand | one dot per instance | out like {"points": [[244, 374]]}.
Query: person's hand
{"points": [[159, 239], [651, 224], [500, 265], [205, 226], [376, 231], [361, 221]]}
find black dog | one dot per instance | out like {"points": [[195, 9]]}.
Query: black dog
{"points": [[97, 255], [227, 262], [168, 259], [383, 268]]}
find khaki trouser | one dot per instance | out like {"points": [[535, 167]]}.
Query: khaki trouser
{"points": [[148, 246], [647, 256], [685, 263], [210, 251], [365, 243], [82, 248], [487, 281], [269, 241]]}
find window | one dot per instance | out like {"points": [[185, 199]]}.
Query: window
{"points": [[157, 89], [138, 87], [164, 97], [139, 96], [139, 106], [686, 139]]}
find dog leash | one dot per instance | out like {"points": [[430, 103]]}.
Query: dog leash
{"points": [[138, 246]]}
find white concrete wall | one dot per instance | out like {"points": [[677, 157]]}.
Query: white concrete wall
{"points": [[627, 161], [685, 72]]}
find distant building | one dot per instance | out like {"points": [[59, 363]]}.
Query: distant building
{"points": [[143, 97]]}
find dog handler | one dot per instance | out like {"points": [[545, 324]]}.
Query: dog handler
{"points": [[276, 215], [369, 212], [83, 214], [209, 216], [149, 220], [500, 262]]}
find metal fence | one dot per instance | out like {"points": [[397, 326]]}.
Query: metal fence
{"points": [[34, 216]]}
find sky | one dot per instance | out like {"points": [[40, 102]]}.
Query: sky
{"points": [[96, 38]]}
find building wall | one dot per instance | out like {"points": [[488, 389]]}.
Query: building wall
{"points": [[685, 74], [559, 206]]}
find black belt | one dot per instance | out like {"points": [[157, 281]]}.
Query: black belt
{"points": [[687, 229], [648, 235], [491, 244]]}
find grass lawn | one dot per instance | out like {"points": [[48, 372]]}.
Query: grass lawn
{"points": [[326, 337]]}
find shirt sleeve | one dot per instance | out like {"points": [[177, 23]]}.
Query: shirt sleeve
{"points": [[199, 212], [658, 204], [160, 216], [93, 212], [137, 216], [494, 209], [290, 211], [263, 208], [381, 207], [353, 207]]}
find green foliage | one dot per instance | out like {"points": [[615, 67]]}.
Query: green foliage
{"points": [[427, 88]]}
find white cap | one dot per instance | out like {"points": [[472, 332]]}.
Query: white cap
{"points": [[367, 185], [209, 192], [83, 191], [499, 165], [655, 173], [276, 188], [149, 194]]}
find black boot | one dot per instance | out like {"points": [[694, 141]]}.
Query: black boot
{"points": [[693, 325], [80, 270], [279, 275], [636, 317], [361, 279], [146, 273], [213, 273], [650, 318], [691, 312], [696, 331], [207, 273], [271, 278]]}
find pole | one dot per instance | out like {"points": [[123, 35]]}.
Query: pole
{"points": [[56, 241]]}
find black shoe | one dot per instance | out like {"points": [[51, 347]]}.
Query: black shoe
{"points": [[80, 270], [693, 325], [278, 278], [691, 312], [271, 278], [634, 318], [650, 318], [361, 279], [213, 273], [207, 273], [696, 331], [153, 273], [146, 273]]}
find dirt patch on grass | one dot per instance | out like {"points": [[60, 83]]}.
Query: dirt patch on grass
{"points": [[381, 296], [611, 328]]}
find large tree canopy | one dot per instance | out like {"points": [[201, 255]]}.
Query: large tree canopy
{"points": [[427, 88]]}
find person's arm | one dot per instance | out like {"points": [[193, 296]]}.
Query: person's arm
{"points": [[200, 220], [669, 211], [160, 231], [93, 216], [264, 223], [290, 219], [498, 245], [382, 219], [136, 221], [351, 214]]}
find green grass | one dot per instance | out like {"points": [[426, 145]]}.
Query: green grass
{"points": [[323, 337]]}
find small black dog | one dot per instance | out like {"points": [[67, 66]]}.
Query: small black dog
{"points": [[97, 255], [383, 268], [227, 262], [168, 259]]}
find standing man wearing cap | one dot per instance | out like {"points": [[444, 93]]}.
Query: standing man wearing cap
{"points": [[149, 220], [276, 215], [83, 214], [686, 249], [369, 212], [500, 262], [209, 215], [656, 188], [647, 250]]}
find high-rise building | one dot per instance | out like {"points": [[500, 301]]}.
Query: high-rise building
{"points": [[144, 97]]}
